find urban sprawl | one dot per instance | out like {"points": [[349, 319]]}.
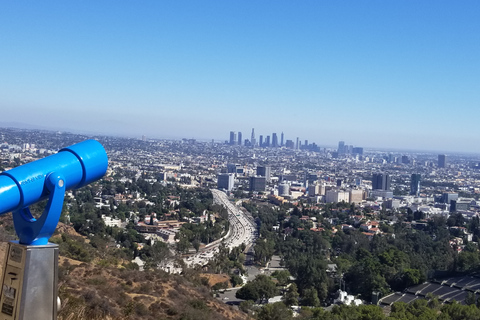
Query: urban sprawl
{"points": [[330, 194]]}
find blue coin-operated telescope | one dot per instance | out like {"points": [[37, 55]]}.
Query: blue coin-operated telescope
{"points": [[29, 289]]}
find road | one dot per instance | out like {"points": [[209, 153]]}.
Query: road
{"points": [[242, 230]]}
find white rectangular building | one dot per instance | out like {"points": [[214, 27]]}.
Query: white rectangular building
{"points": [[336, 195]]}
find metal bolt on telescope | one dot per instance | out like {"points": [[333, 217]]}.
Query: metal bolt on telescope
{"points": [[29, 282]]}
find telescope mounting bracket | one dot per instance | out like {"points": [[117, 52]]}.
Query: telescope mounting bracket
{"points": [[33, 231]]}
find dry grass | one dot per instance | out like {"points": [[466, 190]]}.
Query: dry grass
{"points": [[95, 292], [213, 279]]}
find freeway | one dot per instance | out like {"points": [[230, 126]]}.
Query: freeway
{"points": [[242, 230]]}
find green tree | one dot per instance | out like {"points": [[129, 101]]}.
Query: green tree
{"points": [[266, 287], [155, 254], [419, 309], [183, 245], [262, 287], [264, 250], [196, 244], [471, 298], [248, 292], [468, 261], [310, 298], [246, 306], [236, 280], [291, 296], [411, 277], [275, 311], [282, 276]]}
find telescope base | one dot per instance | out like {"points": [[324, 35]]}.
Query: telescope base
{"points": [[29, 282]]}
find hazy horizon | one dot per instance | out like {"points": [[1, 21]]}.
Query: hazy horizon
{"points": [[24, 126]]}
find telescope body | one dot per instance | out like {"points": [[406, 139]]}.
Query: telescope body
{"points": [[78, 164], [72, 167]]}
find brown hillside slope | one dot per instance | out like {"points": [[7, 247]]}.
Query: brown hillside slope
{"points": [[91, 292], [94, 291]]}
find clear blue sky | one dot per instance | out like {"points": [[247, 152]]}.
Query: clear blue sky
{"points": [[397, 74]]}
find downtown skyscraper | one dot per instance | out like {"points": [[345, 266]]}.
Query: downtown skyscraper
{"points": [[341, 147], [233, 138], [442, 160], [274, 140]]}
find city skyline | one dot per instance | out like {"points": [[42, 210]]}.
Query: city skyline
{"points": [[275, 143], [331, 147], [377, 74]]}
